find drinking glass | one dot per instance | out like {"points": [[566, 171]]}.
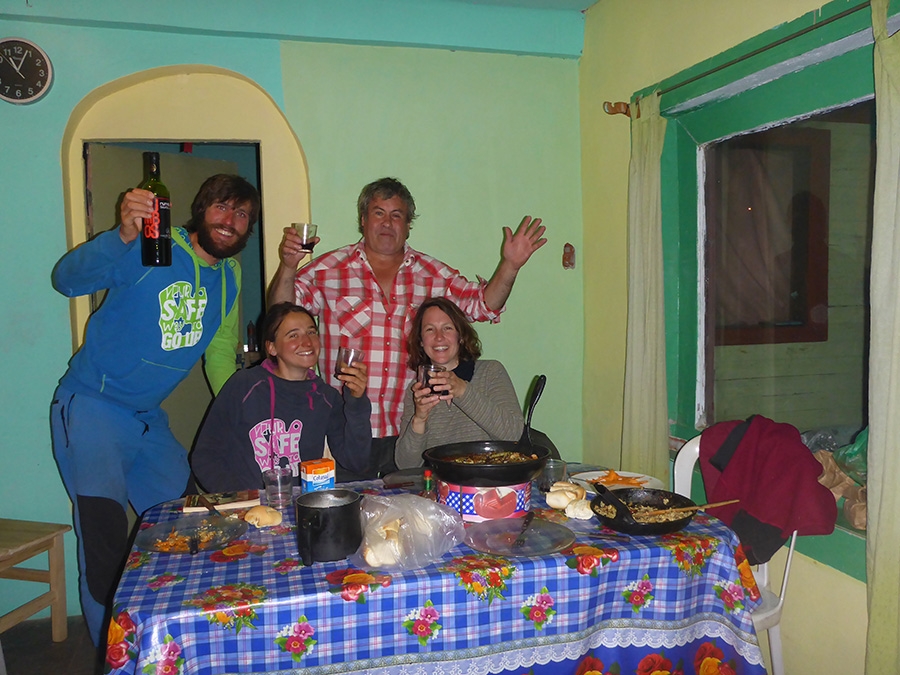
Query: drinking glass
{"points": [[307, 232], [347, 356], [426, 371], [554, 470], [279, 482]]}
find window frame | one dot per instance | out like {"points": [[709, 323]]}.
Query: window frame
{"points": [[793, 94]]}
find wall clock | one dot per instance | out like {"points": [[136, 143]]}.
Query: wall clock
{"points": [[25, 71]]}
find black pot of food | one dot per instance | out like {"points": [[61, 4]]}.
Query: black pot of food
{"points": [[486, 463], [628, 518]]}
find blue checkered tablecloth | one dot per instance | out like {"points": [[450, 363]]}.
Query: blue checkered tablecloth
{"points": [[645, 604]]}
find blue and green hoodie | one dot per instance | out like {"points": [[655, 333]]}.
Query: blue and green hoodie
{"points": [[155, 322]]}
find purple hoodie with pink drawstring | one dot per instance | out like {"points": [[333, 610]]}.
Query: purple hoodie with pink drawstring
{"points": [[259, 420]]}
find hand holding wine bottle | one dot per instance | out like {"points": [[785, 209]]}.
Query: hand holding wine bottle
{"points": [[156, 237], [145, 212]]}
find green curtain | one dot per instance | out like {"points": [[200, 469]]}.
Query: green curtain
{"points": [[883, 530], [645, 424]]}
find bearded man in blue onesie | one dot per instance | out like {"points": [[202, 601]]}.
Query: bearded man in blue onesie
{"points": [[111, 439]]}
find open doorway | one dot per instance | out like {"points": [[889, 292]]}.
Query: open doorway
{"points": [[112, 167]]}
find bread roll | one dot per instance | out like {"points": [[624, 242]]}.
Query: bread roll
{"points": [[263, 516], [580, 509], [560, 499]]}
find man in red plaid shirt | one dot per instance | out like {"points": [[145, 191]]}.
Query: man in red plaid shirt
{"points": [[365, 292]]}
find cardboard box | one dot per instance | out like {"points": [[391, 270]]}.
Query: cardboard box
{"points": [[316, 474]]}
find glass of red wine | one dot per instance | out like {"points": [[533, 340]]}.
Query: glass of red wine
{"points": [[307, 232]]}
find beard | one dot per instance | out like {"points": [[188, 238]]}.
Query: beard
{"points": [[206, 241]]}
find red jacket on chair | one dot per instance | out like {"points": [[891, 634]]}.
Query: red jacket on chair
{"points": [[766, 465]]}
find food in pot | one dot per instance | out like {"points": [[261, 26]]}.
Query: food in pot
{"points": [[495, 457], [639, 513]]}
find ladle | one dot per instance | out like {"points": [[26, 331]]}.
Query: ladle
{"points": [[623, 513], [535, 396]]}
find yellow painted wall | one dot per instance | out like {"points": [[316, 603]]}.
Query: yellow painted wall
{"points": [[628, 46]]}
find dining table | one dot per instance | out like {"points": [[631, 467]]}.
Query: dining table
{"points": [[606, 603]]}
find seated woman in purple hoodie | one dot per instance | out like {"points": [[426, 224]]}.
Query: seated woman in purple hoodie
{"points": [[282, 413]]}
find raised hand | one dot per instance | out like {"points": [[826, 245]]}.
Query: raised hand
{"points": [[291, 250], [136, 205], [528, 238], [355, 378]]}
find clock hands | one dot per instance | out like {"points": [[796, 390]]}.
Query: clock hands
{"points": [[18, 66]]}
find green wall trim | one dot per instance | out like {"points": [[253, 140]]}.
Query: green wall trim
{"points": [[750, 63], [679, 206], [847, 78], [844, 550], [410, 23], [831, 83]]}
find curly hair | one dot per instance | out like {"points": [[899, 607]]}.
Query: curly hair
{"points": [[385, 188], [469, 344], [222, 189]]}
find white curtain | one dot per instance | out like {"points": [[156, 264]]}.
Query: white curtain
{"points": [[645, 425], [883, 531]]}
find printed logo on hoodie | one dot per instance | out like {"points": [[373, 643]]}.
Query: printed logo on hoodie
{"points": [[285, 442], [181, 315]]}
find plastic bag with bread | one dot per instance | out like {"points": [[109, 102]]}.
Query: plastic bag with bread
{"points": [[405, 532]]}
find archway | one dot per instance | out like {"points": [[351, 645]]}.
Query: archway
{"points": [[190, 102]]}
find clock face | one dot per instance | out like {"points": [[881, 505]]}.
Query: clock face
{"points": [[25, 71]]}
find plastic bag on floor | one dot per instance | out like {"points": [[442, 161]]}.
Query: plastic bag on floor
{"points": [[853, 458]]}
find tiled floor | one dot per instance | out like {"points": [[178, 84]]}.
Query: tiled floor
{"points": [[29, 650]]}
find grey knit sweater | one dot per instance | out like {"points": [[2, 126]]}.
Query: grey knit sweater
{"points": [[489, 410]]}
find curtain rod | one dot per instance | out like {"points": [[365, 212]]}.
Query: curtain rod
{"points": [[623, 108], [765, 48]]}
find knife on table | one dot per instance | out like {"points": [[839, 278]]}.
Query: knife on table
{"points": [[208, 504]]}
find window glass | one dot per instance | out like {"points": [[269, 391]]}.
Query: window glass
{"points": [[787, 254]]}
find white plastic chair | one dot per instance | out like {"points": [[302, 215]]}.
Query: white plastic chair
{"points": [[767, 616]]}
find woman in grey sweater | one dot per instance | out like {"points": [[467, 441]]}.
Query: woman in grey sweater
{"points": [[470, 400]]}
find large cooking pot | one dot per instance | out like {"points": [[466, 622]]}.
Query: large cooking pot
{"points": [[657, 499], [440, 458]]}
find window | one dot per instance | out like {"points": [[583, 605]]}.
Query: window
{"points": [[794, 345], [767, 228]]}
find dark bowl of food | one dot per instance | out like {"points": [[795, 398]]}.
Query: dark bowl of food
{"points": [[643, 501], [486, 463]]}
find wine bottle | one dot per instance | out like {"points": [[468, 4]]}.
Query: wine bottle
{"points": [[156, 234]]}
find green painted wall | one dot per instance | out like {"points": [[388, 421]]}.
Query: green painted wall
{"points": [[481, 139]]}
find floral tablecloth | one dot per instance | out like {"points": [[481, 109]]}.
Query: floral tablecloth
{"points": [[676, 604]]}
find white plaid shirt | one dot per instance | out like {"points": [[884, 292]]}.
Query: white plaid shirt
{"points": [[340, 287]]}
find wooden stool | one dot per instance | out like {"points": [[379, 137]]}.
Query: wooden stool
{"points": [[24, 539]]}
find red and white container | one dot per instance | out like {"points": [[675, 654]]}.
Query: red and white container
{"points": [[476, 504]]}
